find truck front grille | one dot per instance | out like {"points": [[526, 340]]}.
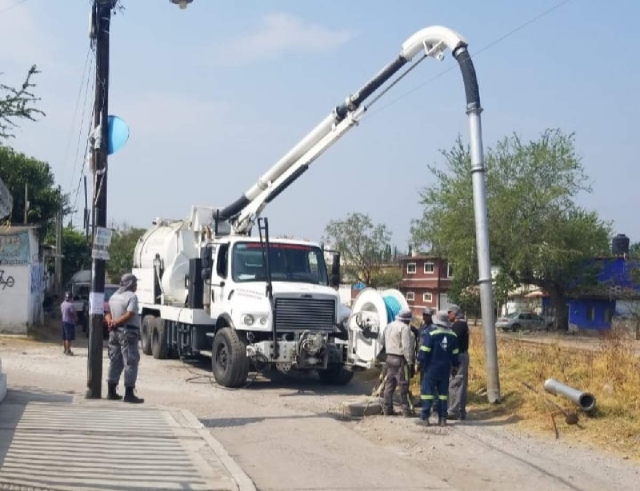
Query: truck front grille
{"points": [[304, 313]]}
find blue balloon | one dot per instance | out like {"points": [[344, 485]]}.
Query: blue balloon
{"points": [[118, 134]]}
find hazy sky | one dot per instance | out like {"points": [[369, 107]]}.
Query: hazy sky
{"points": [[216, 93]]}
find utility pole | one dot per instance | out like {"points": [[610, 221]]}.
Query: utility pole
{"points": [[58, 261], [101, 21], [26, 202]]}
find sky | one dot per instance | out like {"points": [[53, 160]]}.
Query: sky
{"points": [[215, 94]]}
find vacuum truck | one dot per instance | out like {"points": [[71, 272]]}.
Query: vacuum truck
{"points": [[207, 286]]}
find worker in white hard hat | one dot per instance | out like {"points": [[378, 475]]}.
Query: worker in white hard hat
{"points": [[399, 345], [437, 355]]}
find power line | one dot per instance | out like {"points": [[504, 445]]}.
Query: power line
{"points": [[19, 2], [483, 49], [75, 113]]}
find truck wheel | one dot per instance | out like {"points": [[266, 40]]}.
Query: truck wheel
{"points": [[229, 361], [335, 375], [145, 333], [159, 346]]}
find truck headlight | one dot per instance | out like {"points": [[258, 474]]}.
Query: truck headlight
{"points": [[263, 321], [248, 320]]}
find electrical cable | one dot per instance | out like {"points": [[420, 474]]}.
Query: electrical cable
{"points": [[481, 50], [86, 70]]}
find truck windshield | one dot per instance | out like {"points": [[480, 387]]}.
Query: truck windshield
{"points": [[289, 262]]}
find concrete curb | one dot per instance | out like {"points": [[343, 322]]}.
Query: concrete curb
{"points": [[242, 479]]}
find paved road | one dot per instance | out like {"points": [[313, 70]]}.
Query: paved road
{"points": [[287, 435]]}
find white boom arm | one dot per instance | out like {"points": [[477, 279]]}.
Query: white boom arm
{"points": [[244, 211]]}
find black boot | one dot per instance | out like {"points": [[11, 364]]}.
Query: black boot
{"points": [[442, 421], [113, 395], [129, 396]]}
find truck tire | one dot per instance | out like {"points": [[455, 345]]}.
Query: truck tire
{"points": [[335, 375], [159, 345], [145, 333], [229, 361]]}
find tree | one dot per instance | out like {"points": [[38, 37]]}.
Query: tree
{"points": [[17, 104], [76, 251], [45, 197], [363, 246], [538, 234], [634, 250], [387, 277], [123, 243]]}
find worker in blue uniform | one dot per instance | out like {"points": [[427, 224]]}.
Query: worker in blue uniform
{"points": [[437, 356]]}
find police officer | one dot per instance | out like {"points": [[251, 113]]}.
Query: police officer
{"points": [[459, 380], [399, 345], [437, 355], [124, 326]]}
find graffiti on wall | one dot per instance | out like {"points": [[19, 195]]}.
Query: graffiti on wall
{"points": [[6, 281], [14, 248]]}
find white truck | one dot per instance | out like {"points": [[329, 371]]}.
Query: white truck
{"points": [[207, 287]]}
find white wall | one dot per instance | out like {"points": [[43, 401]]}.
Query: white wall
{"points": [[15, 298], [21, 283]]}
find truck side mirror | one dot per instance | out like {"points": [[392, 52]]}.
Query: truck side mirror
{"points": [[335, 271]]}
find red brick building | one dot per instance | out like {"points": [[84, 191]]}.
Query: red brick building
{"points": [[425, 281]]}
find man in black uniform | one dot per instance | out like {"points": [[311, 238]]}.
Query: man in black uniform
{"points": [[459, 379]]}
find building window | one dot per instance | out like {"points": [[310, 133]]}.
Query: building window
{"points": [[449, 270], [591, 313], [427, 297], [411, 268], [410, 296], [428, 268]]}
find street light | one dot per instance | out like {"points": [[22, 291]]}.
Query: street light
{"points": [[182, 3]]}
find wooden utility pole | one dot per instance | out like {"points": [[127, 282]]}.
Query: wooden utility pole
{"points": [[101, 20]]}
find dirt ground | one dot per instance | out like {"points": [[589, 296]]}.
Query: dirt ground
{"points": [[288, 434]]}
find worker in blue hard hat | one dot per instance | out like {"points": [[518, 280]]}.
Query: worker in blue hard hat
{"points": [[426, 326], [399, 346]]}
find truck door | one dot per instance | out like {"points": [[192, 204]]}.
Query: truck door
{"points": [[219, 279]]}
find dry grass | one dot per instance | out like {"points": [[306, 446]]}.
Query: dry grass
{"points": [[611, 373]]}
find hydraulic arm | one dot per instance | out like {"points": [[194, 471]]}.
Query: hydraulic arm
{"points": [[243, 212]]}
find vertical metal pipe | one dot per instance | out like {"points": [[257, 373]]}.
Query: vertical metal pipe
{"points": [[484, 257], [474, 109]]}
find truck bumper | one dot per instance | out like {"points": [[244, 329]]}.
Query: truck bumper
{"points": [[299, 355]]}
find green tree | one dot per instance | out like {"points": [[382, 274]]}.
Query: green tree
{"points": [[538, 234], [76, 251], [18, 103], [634, 250], [386, 278], [362, 246], [123, 243], [45, 197]]}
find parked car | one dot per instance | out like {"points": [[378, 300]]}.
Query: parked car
{"points": [[522, 320]]}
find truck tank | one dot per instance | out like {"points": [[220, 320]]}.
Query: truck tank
{"points": [[175, 242]]}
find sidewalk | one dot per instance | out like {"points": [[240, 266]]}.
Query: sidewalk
{"points": [[55, 442]]}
